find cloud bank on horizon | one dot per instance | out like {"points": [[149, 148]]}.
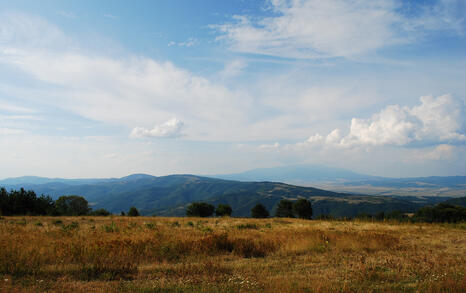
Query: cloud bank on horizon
{"points": [[373, 86]]}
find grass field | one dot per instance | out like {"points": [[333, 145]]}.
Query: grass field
{"points": [[108, 254]]}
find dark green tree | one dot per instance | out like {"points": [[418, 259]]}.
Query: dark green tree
{"points": [[133, 212], [72, 205], [100, 212], [200, 209], [259, 211], [223, 210], [302, 208], [285, 209], [441, 213], [22, 202], [3, 201]]}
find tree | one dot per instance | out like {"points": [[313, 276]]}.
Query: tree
{"points": [[22, 202], [303, 208], [72, 205], [133, 212], [285, 209], [200, 209], [223, 210], [442, 212], [259, 211], [100, 212]]}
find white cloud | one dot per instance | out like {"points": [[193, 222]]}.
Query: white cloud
{"points": [[9, 107], [10, 131], [334, 28], [269, 146], [29, 31], [170, 129], [188, 43], [440, 152], [125, 91], [434, 121], [233, 68]]}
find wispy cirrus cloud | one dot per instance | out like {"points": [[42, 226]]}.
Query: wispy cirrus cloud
{"points": [[336, 28], [126, 91]]}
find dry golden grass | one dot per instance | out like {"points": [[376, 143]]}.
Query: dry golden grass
{"points": [[108, 254]]}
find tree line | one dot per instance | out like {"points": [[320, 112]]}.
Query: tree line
{"points": [[22, 202], [26, 202], [301, 208], [440, 213]]}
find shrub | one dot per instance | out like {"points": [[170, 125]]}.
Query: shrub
{"points": [[111, 228], [223, 210], [259, 211], [70, 227], [133, 212], [200, 209], [246, 226], [100, 212], [57, 222]]}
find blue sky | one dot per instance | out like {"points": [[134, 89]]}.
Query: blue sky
{"points": [[110, 88]]}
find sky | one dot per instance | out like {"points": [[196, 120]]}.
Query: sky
{"points": [[112, 88]]}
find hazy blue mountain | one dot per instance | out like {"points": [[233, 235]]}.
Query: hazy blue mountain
{"points": [[43, 180], [296, 174], [169, 195], [342, 180], [432, 181]]}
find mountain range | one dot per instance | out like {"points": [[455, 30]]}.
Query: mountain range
{"points": [[343, 180], [169, 195]]}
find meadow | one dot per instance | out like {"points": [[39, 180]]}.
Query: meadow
{"points": [[145, 254]]}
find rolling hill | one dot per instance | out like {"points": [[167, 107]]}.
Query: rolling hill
{"points": [[169, 195]]}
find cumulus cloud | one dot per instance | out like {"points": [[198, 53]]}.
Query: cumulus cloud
{"points": [[170, 129], [334, 28], [435, 120]]}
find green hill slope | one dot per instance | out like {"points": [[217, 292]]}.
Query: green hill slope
{"points": [[169, 195]]}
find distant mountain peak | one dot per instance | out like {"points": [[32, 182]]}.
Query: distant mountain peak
{"points": [[137, 176]]}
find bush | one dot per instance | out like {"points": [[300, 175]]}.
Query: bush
{"points": [[303, 208], [100, 212], [259, 211], [247, 226], [133, 212], [223, 210], [200, 209]]}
